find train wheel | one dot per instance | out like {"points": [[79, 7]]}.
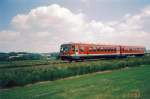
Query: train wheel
{"points": [[70, 61], [82, 60]]}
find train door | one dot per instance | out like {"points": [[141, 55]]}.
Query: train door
{"points": [[118, 50], [81, 49], [76, 50], [86, 50]]}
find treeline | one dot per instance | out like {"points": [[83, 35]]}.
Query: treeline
{"points": [[23, 76], [13, 56]]}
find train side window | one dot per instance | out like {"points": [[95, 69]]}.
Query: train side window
{"points": [[127, 49], [113, 50], [110, 50], [135, 49], [139, 49], [73, 48], [104, 49], [90, 49], [97, 49], [94, 49], [142, 49], [82, 49], [107, 49], [101, 49]]}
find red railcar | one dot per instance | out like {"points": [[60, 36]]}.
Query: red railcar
{"points": [[80, 51]]}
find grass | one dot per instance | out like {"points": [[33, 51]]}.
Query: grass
{"points": [[25, 63], [21, 76], [131, 83]]}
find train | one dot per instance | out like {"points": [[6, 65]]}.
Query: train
{"points": [[82, 51]]}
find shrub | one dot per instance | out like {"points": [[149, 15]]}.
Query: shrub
{"points": [[22, 76]]}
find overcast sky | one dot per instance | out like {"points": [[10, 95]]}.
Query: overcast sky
{"points": [[42, 25]]}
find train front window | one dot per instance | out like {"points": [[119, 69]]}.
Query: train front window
{"points": [[65, 48]]}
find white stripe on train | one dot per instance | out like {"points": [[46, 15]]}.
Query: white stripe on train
{"points": [[103, 54]]}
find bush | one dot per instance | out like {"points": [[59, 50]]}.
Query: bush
{"points": [[23, 76]]}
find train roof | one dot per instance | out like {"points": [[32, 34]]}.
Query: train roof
{"points": [[103, 45]]}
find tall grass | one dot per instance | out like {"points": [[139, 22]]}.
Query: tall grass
{"points": [[26, 63], [23, 76]]}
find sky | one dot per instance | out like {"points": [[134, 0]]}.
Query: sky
{"points": [[43, 25]]}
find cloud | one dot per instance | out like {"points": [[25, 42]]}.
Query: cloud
{"points": [[8, 40], [8, 35], [43, 29], [48, 15], [134, 28]]}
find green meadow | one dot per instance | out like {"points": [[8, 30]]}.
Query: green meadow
{"points": [[126, 83]]}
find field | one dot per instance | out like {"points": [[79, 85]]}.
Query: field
{"points": [[20, 73], [127, 83], [126, 78]]}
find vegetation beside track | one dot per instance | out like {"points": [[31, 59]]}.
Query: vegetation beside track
{"points": [[21, 76], [131, 83], [26, 63]]}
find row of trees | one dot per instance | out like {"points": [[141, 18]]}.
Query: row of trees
{"points": [[25, 56]]}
